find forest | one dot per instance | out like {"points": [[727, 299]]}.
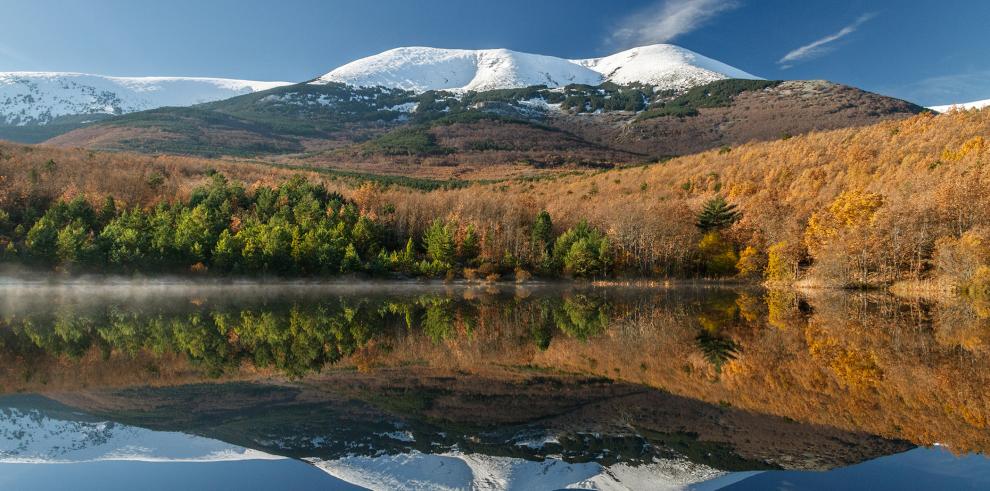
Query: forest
{"points": [[890, 204]]}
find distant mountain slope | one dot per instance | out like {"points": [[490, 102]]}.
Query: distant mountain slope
{"points": [[38, 105], [397, 131], [962, 105], [422, 69]]}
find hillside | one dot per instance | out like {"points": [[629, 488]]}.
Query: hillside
{"points": [[916, 185], [346, 127]]}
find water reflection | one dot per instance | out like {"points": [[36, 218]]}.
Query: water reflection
{"points": [[434, 360]]}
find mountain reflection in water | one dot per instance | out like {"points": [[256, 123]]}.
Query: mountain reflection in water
{"points": [[379, 384]]}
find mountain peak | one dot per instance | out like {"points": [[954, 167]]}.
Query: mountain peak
{"points": [[420, 68]]}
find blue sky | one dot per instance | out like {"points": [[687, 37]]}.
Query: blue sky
{"points": [[925, 51]]}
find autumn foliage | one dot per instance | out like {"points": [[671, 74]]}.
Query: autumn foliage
{"points": [[857, 206]]}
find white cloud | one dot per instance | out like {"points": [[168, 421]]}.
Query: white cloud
{"points": [[665, 20], [821, 46]]}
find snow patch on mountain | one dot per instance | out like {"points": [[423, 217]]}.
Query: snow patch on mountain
{"points": [[40, 97], [423, 68], [456, 470], [964, 105], [33, 437]]}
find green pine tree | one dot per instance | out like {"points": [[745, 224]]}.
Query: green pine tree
{"points": [[108, 212], [470, 246], [439, 242], [351, 262], [543, 232], [717, 214]]}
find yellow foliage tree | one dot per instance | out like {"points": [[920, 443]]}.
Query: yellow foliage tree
{"points": [[850, 210], [839, 238], [719, 256], [781, 263], [751, 263]]}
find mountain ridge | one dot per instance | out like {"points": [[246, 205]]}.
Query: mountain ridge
{"points": [[421, 68]]}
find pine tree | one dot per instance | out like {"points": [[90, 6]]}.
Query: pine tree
{"points": [[543, 232], [717, 214], [470, 246], [351, 261], [439, 242], [108, 212]]}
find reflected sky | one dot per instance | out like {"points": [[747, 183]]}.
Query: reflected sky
{"points": [[921, 468], [128, 476]]}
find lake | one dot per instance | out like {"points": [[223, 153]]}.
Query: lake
{"points": [[163, 385]]}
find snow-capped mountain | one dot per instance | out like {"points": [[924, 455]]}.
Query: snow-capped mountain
{"points": [[32, 98], [34, 430], [963, 105], [35, 437], [420, 69], [457, 470]]}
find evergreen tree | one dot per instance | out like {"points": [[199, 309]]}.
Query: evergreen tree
{"points": [[225, 252], [717, 349], [542, 235], [351, 261], [469, 246], [74, 244], [717, 214], [108, 212], [439, 242], [582, 251]]}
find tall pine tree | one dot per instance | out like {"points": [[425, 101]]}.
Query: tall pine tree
{"points": [[717, 214]]}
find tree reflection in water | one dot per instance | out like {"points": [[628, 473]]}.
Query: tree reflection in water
{"points": [[862, 362]]}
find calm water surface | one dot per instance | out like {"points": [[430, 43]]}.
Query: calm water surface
{"points": [[413, 386]]}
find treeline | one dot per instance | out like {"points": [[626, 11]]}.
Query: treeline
{"points": [[298, 228]]}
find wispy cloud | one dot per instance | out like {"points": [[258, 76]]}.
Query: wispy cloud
{"points": [[667, 19], [821, 46]]}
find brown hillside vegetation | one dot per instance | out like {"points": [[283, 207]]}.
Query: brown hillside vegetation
{"points": [[791, 108], [500, 139], [858, 205], [486, 149]]}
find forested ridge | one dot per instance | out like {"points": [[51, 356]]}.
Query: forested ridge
{"points": [[869, 206]]}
